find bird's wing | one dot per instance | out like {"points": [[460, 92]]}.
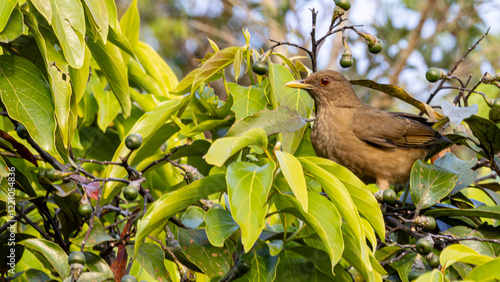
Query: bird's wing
{"points": [[392, 130]]}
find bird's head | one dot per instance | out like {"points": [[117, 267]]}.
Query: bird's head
{"points": [[328, 87]]}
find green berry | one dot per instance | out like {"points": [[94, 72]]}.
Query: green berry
{"points": [[85, 210], [260, 68], [346, 61], [243, 266], [22, 132], [428, 223], [433, 75], [432, 259], [41, 173], [133, 141], [128, 278], [130, 193], [376, 47], [77, 257], [389, 196], [217, 207], [344, 4], [52, 175], [496, 103], [423, 246]]}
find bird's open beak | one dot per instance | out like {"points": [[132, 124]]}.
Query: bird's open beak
{"points": [[298, 84]]}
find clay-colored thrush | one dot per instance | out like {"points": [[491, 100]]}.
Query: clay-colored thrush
{"points": [[377, 146]]}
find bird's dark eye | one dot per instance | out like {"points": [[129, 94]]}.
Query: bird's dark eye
{"points": [[324, 81]]}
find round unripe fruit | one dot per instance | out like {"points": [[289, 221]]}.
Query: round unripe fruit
{"points": [[346, 61], [428, 223], [376, 48], [22, 132], [344, 4], [496, 103], [433, 75], [51, 174], [217, 207], [41, 173], [243, 266], [423, 246], [128, 278], [85, 210], [133, 141], [389, 196], [130, 193], [432, 259], [260, 68], [431, 224], [414, 275], [76, 257]]}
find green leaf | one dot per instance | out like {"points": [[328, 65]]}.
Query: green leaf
{"points": [[21, 182], [80, 77], [323, 217], [429, 184], [293, 98], [97, 235], [212, 66], [457, 114], [99, 15], [487, 132], [26, 95], [296, 268], [151, 257], [193, 217], [14, 27], [460, 253], [434, 276], [220, 226], [108, 107], [248, 186], [404, 266], [461, 168], [397, 92], [361, 195], [110, 61], [294, 175], [247, 100], [51, 252], [223, 148], [263, 266], [68, 22], [44, 8], [483, 248], [130, 23], [117, 37], [139, 77], [6, 8], [158, 214], [214, 261], [153, 129], [339, 195], [280, 120], [97, 264], [156, 67], [485, 272], [482, 211], [320, 258]]}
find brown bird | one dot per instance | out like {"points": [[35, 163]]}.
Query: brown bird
{"points": [[377, 146]]}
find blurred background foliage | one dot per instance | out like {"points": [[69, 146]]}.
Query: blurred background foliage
{"points": [[416, 35]]}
